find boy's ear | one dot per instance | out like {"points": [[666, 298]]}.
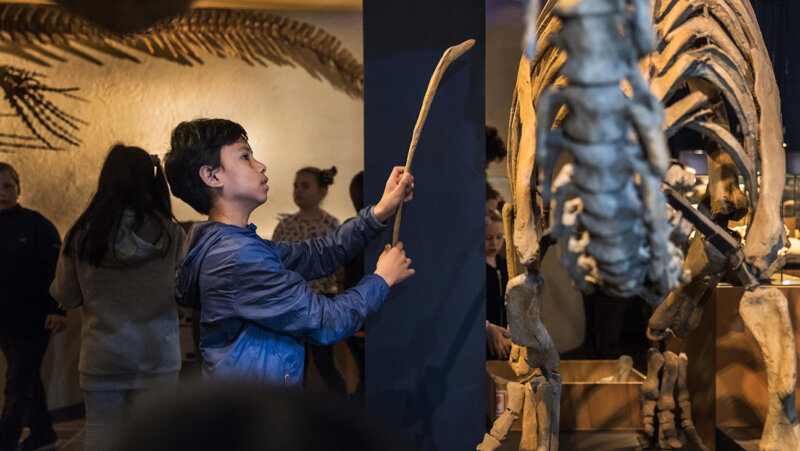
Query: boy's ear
{"points": [[209, 176]]}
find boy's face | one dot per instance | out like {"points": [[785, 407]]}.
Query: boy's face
{"points": [[243, 177], [9, 191]]}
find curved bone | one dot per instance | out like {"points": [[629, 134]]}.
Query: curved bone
{"points": [[689, 35], [730, 145], [767, 235], [527, 227], [685, 110], [718, 72], [766, 314], [524, 322], [450, 55], [678, 10]]}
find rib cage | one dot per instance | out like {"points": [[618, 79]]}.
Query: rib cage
{"points": [[710, 52], [254, 37]]}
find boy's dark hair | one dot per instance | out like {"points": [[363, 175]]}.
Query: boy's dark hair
{"points": [[324, 177], [495, 147], [195, 144], [131, 180], [5, 167]]}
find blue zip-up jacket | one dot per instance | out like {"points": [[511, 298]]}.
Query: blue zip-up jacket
{"points": [[256, 308]]}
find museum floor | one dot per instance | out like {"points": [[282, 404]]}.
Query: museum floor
{"points": [[70, 438]]}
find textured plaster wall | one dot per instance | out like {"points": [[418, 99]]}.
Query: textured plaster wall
{"points": [[292, 119]]}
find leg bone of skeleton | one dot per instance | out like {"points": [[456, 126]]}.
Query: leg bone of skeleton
{"points": [[666, 401], [545, 401], [516, 396], [650, 389], [685, 403], [525, 326], [766, 314]]}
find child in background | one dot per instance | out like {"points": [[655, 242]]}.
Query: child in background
{"points": [[118, 263], [310, 188], [29, 246], [498, 343], [256, 308]]}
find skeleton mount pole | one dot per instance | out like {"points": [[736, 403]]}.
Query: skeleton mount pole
{"points": [[448, 57]]}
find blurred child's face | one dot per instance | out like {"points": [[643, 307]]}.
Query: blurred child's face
{"points": [[307, 192], [494, 238], [9, 191], [244, 178]]}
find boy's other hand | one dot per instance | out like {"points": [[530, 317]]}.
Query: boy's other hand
{"points": [[393, 264], [399, 188]]}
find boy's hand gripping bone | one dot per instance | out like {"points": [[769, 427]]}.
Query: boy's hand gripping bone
{"points": [[448, 57]]}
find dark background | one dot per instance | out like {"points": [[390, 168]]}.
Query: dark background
{"points": [[780, 25], [425, 358]]}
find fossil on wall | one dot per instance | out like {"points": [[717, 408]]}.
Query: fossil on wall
{"points": [[33, 32], [29, 99]]}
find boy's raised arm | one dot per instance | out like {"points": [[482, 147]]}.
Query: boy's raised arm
{"points": [[319, 257]]}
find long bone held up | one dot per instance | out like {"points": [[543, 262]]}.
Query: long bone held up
{"points": [[448, 57]]}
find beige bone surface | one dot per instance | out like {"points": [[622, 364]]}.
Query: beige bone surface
{"points": [[666, 402], [525, 326], [655, 361], [685, 404], [450, 55], [766, 314], [501, 426]]}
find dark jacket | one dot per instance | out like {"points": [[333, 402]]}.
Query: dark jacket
{"points": [[29, 245], [496, 281], [256, 308]]}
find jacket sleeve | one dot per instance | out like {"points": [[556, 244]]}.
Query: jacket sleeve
{"points": [[281, 301], [320, 257], [65, 287]]}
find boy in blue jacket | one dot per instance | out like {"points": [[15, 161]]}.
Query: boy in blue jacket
{"points": [[256, 308]]}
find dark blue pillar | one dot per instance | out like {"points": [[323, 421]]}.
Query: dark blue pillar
{"points": [[426, 347]]}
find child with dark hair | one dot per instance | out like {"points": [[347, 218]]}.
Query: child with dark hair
{"points": [[256, 310], [118, 264], [495, 147], [29, 246]]}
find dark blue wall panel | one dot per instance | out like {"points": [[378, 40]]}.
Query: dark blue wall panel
{"points": [[425, 362], [779, 20]]}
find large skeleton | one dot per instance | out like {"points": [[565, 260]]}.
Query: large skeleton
{"points": [[607, 209]]}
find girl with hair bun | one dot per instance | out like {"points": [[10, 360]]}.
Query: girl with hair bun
{"points": [[310, 188]]}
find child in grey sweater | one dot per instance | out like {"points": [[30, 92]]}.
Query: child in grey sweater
{"points": [[118, 263]]}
